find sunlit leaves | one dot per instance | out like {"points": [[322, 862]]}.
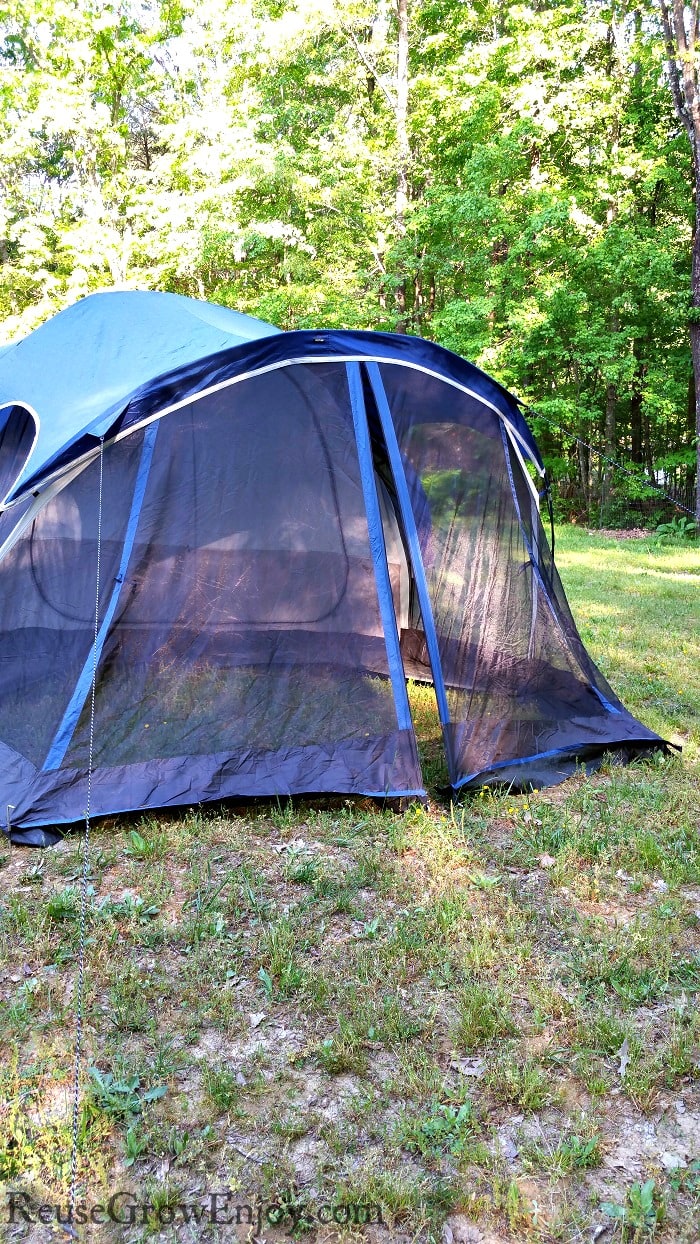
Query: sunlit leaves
{"points": [[246, 151]]}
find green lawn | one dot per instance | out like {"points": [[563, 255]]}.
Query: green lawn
{"points": [[637, 605], [485, 1012]]}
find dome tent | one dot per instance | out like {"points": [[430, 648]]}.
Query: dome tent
{"points": [[276, 529]]}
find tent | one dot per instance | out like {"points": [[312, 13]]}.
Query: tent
{"points": [[246, 540]]}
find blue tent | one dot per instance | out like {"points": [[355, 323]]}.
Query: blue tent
{"points": [[73, 375], [250, 538]]}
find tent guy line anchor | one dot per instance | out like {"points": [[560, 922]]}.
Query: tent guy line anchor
{"points": [[80, 982]]}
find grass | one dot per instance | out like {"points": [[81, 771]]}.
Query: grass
{"points": [[628, 595], [488, 1009]]}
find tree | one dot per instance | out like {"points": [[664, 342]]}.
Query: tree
{"points": [[554, 225], [682, 39], [77, 82], [510, 180]]}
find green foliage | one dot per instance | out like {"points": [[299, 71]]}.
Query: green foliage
{"points": [[643, 1210], [129, 907], [206, 919], [121, 1099], [150, 846], [250, 154], [221, 1087], [65, 904], [678, 528], [443, 1129], [484, 1015], [687, 1179], [522, 1082], [136, 1144]]}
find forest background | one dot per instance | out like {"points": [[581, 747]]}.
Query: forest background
{"points": [[517, 182]]}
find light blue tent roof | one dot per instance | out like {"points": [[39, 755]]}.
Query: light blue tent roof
{"points": [[80, 367]]}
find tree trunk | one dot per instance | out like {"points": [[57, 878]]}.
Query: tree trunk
{"points": [[607, 482], [695, 331], [648, 449], [636, 402], [398, 102], [418, 300], [584, 473], [402, 149], [610, 420], [680, 28]]}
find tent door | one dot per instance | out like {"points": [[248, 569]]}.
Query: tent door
{"points": [[386, 450]]}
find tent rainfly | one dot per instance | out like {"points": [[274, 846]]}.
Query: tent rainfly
{"points": [[252, 538]]}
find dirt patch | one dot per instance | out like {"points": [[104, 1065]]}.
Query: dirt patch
{"points": [[623, 533]]}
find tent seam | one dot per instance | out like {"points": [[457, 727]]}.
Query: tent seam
{"points": [[609, 708], [289, 362]]}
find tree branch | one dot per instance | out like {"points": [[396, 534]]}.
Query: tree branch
{"points": [[369, 66]]}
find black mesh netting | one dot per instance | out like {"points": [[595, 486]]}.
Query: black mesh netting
{"points": [[519, 682], [241, 647], [47, 603], [248, 618]]}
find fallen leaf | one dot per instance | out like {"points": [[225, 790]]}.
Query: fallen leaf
{"points": [[672, 1161], [475, 1067], [460, 1230], [624, 1158], [509, 1149]]}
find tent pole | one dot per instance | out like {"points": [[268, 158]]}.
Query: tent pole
{"points": [[418, 568], [66, 729], [378, 547]]}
